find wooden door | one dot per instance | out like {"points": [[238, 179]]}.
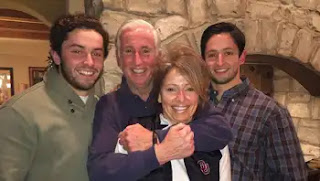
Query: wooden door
{"points": [[260, 76]]}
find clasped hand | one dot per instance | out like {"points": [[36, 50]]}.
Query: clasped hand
{"points": [[178, 143]]}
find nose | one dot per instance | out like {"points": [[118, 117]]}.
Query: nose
{"points": [[220, 59], [137, 58], [181, 96], [89, 60]]}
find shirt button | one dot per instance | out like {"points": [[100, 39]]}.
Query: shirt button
{"points": [[69, 101], [232, 100], [72, 110]]}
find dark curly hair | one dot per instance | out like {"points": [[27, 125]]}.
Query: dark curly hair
{"points": [[67, 23]]}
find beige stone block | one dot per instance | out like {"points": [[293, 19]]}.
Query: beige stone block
{"points": [[300, 17], [281, 85], [253, 36], [113, 4], [145, 7], [298, 97], [107, 3], [197, 33], [299, 110], [287, 36], [316, 108], [296, 122], [280, 98], [112, 73], [310, 123], [297, 87], [176, 7], [234, 8], [170, 25], [303, 45], [262, 10], [269, 36], [111, 21], [315, 21], [198, 12], [310, 151], [111, 81], [277, 73], [308, 4], [178, 40], [315, 61], [309, 135], [111, 64], [286, 2]]}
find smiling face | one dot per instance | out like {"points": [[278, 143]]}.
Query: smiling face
{"points": [[178, 97], [222, 58], [137, 57], [81, 59]]}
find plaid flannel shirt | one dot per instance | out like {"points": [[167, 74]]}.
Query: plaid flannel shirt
{"points": [[265, 144]]}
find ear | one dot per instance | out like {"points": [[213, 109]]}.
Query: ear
{"points": [[242, 58], [55, 56], [159, 99]]}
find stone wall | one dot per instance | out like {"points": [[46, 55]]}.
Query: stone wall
{"points": [[304, 109], [276, 27]]}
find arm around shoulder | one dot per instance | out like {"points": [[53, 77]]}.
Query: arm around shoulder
{"points": [[211, 130]]}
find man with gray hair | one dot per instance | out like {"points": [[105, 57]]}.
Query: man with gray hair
{"points": [[137, 46]]}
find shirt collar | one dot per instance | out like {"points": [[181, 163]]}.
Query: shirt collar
{"points": [[164, 121], [126, 93], [133, 104], [232, 92]]}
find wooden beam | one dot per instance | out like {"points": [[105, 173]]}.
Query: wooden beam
{"points": [[25, 34], [307, 76], [23, 25]]}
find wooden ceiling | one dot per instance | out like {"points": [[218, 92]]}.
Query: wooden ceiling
{"points": [[17, 24]]}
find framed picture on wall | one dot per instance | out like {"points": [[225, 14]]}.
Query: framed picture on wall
{"points": [[36, 74], [6, 84]]}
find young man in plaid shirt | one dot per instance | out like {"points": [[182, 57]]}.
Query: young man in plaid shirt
{"points": [[265, 144]]}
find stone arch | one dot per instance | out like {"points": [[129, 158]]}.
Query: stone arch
{"points": [[305, 75]]}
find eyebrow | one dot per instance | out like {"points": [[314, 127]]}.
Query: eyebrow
{"points": [[174, 84], [214, 50], [82, 47], [146, 47], [76, 45]]}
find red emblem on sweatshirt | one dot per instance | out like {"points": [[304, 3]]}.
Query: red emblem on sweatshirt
{"points": [[204, 167]]}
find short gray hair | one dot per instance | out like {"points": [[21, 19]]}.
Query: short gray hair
{"points": [[134, 23]]}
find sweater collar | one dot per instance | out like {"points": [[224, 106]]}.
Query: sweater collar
{"points": [[55, 82]]}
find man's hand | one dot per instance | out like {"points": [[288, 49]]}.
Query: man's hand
{"points": [[177, 144], [135, 138]]}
